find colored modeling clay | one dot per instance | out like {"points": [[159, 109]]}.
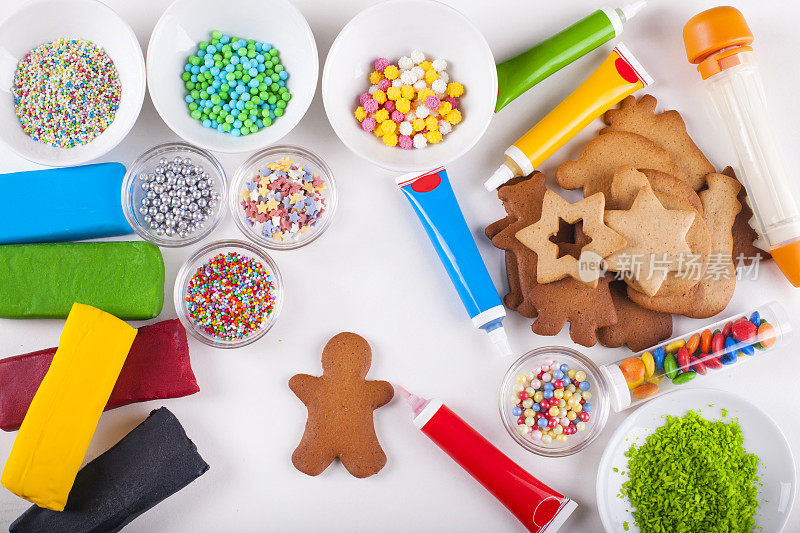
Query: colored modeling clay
{"points": [[125, 279], [63, 415], [152, 462], [693, 474], [83, 204], [157, 368]]}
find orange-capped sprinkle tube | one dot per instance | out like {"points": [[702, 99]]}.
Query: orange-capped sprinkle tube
{"points": [[56, 432], [617, 77]]}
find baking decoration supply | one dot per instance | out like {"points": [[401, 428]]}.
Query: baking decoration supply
{"points": [[536, 505], [66, 92], [152, 462], [56, 432], [551, 401], [87, 207], [283, 201], [693, 474], [179, 197], [718, 42], [411, 102], [617, 77], [341, 404], [234, 85], [432, 198], [723, 344], [157, 368], [521, 72], [231, 296], [125, 279]]}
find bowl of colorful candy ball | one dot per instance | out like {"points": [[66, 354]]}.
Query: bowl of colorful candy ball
{"points": [[228, 294], [174, 194], [553, 401], [283, 197], [73, 81], [409, 97], [235, 79]]}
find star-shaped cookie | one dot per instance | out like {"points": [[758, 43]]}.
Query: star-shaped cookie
{"points": [[656, 239], [603, 240]]}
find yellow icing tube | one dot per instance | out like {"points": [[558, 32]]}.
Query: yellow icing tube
{"points": [[56, 432], [617, 77]]}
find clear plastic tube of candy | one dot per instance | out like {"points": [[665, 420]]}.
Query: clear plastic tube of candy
{"points": [[725, 344]]}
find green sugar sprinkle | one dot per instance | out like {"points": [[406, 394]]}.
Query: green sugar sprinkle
{"points": [[690, 475], [625, 526]]}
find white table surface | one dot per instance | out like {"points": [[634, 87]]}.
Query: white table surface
{"points": [[375, 273]]}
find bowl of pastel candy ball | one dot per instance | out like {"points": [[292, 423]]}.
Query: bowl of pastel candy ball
{"points": [[409, 97], [174, 194], [235, 79], [553, 401]]}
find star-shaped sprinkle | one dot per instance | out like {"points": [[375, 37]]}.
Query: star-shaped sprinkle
{"points": [[271, 204], [262, 208]]}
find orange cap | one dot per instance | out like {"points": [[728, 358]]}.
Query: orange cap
{"points": [[787, 257], [714, 38]]}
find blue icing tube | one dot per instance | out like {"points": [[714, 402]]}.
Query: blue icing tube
{"points": [[62, 204], [432, 198]]}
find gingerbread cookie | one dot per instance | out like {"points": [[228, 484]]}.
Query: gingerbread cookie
{"points": [[745, 237], [626, 184], [340, 405], [721, 207], [569, 300], [666, 129], [514, 297], [600, 159], [711, 295], [637, 327], [554, 265], [654, 234], [523, 202]]}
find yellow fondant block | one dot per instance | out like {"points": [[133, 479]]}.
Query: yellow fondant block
{"points": [[56, 432]]}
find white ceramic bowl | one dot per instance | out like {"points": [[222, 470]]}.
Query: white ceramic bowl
{"points": [[187, 22], [42, 21], [762, 436], [438, 31]]}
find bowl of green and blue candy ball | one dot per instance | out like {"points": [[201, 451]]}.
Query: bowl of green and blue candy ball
{"points": [[232, 80]]}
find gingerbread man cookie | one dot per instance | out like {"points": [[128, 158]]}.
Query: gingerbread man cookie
{"points": [[340, 405]]}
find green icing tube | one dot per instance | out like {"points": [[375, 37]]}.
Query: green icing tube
{"points": [[521, 72], [125, 279]]}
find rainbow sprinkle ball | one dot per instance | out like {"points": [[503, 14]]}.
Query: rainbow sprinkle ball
{"points": [[234, 85], [410, 103], [66, 92], [231, 296]]}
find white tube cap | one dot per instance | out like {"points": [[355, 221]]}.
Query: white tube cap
{"points": [[629, 10], [500, 341], [500, 176], [618, 387]]}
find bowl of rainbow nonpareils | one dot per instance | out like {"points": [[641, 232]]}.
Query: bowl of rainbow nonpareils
{"points": [[235, 79], [72, 81], [228, 294]]}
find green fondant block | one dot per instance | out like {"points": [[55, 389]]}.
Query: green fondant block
{"points": [[125, 279]]}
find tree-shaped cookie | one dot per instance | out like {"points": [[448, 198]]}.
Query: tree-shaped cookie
{"points": [[340, 405], [666, 129]]}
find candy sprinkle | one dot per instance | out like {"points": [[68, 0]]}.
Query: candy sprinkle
{"points": [[284, 201], [693, 474], [231, 296], [66, 92]]}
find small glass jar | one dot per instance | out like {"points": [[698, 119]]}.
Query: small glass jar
{"points": [[143, 184], [249, 171], [533, 361], [198, 260]]}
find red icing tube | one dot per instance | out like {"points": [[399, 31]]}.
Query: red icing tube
{"points": [[536, 505], [157, 368]]}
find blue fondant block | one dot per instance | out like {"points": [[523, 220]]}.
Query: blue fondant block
{"points": [[62, 204]]}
